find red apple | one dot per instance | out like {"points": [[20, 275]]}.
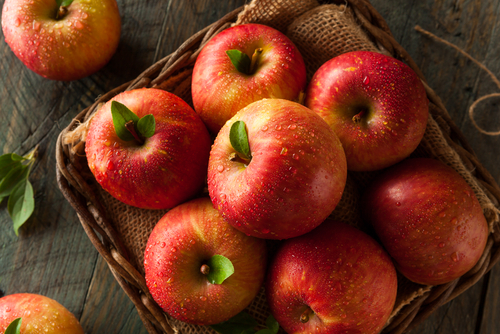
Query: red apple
{"points": [[376, 104], [167, 168], [428, 219], [220, 89], [62, 43], [293, 179], [335, 279], [176, 258], [39, 314]]}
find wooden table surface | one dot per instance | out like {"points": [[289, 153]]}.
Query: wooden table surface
{"points": [[53, 256]]}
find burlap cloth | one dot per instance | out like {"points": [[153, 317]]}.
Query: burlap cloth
{"points": [[320, 32]]}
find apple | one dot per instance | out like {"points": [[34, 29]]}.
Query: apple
{"points": [[428, 218], [66, 42], [156, 172], [178, 264], [291, 178], [335, 279], [268, 65], [39, 314], [376, 104]]}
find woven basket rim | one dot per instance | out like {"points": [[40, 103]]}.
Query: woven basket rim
{"points": [[106, 240]]}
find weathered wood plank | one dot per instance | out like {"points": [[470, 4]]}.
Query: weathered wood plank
{"points": [[107, 308], [489, 321]]}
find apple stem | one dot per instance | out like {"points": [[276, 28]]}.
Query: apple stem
{"points": [[131, 128], [61, 12], [236, 157], [205, 269], [304, 317], [357, 118], [255, 59]]}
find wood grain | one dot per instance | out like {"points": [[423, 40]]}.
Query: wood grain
{"points": [[53, 256]]}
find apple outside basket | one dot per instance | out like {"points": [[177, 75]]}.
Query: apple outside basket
{"points": [[120, 232]]}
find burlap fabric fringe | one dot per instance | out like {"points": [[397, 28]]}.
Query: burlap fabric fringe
{"points": [[320, 32]]}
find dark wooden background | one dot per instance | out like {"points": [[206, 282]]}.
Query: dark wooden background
{"points": [[53, 256]]}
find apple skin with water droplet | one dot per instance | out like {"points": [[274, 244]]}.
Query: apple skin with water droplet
{"points": [[184, 239], [68, 48], [428, 218], [168, 169], [376, 105], [219, 90], [340, 278], [40, 314], [294, 180]]}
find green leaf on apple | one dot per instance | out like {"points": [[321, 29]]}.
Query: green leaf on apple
{"points": [[240, 323], [121, 115], [240, 60], [220, 269], [63, 3], [272, 324], [21, 204], [239, 139], [14, 327], [146, 126]]}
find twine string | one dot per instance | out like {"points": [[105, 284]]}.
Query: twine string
{"points": [[492, 76]]}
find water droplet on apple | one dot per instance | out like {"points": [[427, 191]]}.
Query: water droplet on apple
{"points": [[163, 245], [264, 128], [220, 168], [7, 309], [110, 165], [441, 245], [454, 257], [79, 25], [17, 22], [265, 231], [398, 203], [366, 80]]}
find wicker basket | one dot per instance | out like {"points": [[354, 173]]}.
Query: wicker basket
{"points": [[172, 73]]}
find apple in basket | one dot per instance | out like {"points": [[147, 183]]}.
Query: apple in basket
{"points": [[429, 220], [241, 65], [334, 279], [148, 148], [62, 40], [199, 269], [39, 314], [376, 104], [276, 170]]}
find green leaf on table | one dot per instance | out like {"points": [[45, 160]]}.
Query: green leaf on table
{"points": [[64, 3], [220, 269], [121, 115], [240, 60], [239, 324], [8, 162], [146, 126], [21, 204], [239, 138], [14, 176], [14, 327]]}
